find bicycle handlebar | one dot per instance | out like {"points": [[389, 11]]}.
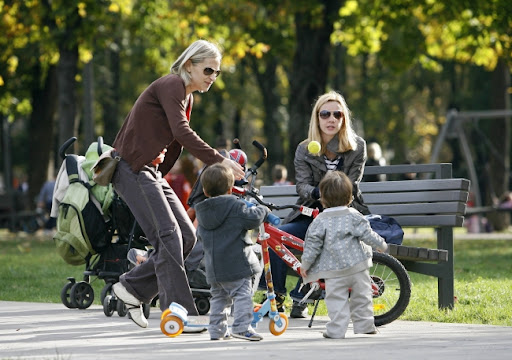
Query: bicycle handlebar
{"points": [[263, 151], [271, 218]]}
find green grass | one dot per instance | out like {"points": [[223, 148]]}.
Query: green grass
{"points": [[32, 271]]}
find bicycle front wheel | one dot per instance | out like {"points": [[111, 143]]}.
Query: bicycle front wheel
{"points": [[391, 287]]}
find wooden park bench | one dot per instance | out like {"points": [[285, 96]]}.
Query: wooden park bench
{"points": [[434, 200], [15, 212]]}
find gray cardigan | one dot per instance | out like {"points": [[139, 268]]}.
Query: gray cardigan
{"points": [[223, 224], [310, 169], [339, 242]]}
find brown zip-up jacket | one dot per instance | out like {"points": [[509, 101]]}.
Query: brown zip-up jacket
{"points": [[158, 120]]}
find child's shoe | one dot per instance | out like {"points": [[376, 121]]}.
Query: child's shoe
{"points": [[225, 337], [248, 335]]}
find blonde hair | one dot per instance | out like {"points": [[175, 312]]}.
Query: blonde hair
{"points": [[197, 52], [346, 135], [217, 179]]}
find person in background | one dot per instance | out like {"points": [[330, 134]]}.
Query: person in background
{"points": [[338, 249], [411, 175], [341, 149], [375, 158], [280, 175], [149, 142], [230, 262], [44, 204], [176, 178]]}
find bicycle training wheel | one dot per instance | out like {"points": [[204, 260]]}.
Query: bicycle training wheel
{"points": [[171, 326], [279, 330], [391, 287]]}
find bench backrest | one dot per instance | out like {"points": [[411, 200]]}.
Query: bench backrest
{"points": [[413, 203]]}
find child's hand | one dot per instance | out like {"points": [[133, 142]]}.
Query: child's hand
{"points": [[303, 272], [160, 158]]}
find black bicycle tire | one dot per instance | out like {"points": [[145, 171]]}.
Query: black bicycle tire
{"points": [[405, 288]]}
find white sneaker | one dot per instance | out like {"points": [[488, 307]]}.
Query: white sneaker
{"points": [[194, 329], [123, 294], [137, 316], [194, 325]]}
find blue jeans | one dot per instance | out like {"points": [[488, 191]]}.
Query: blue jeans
{"points": [[278, 267]]}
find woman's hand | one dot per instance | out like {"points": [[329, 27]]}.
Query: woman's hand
{"points": [[237, 169]]}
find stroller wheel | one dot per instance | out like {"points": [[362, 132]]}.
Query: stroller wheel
{"points": [[146, 308], [108, 306], [82, 295], [107, 290], [203, 305], [65, 295], [121, 308]]}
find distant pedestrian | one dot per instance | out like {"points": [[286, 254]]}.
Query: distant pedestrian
{"points": [[280, 175]]}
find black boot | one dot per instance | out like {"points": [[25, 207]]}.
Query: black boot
{"points": [[299, 311], [279, 301]]}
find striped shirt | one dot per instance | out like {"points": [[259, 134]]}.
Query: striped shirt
{"points": [[332, 164]]}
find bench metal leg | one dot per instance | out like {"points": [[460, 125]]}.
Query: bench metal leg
{"points": [[445, 284]]}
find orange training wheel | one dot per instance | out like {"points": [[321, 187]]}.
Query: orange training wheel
{"points": [[279, 330], [171, 326], [165, 313]]}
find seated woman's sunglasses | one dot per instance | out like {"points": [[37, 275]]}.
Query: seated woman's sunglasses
{"points": [[324, 114], [208, 71]]}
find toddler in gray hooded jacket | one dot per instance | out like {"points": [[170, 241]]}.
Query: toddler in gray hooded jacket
{"points": [[230, 262]]}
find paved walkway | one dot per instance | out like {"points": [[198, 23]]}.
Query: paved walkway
{"points": [[51, 331]]}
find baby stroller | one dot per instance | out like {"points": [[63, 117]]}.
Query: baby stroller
{"points": [[113, 242], [94, 227]]}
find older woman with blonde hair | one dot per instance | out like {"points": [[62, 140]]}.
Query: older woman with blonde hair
{"points": [[150, 141]]}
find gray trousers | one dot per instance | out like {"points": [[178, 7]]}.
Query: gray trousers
{"points": [[225, 294], [165, 223], [340, 309]]}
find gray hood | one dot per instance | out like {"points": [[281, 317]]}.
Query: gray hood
{"points": [[222, 205]]}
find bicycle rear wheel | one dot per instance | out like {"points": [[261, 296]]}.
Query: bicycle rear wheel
{"points": [[391, 288]]}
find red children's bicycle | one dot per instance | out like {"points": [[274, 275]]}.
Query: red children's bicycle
{"points": [[390, 280]]}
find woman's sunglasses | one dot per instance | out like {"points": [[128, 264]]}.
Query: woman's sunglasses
{"points": [[324, 114], [208, 71]]}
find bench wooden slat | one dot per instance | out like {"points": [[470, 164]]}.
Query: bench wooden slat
{"points": [[415, 185], [416, 253], [418, 209], [430, 221], [412, 197]]}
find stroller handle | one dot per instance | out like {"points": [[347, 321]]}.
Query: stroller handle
{"points": [[100, 145], [65, 146]]}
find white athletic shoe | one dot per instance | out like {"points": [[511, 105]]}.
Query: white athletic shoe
{"points": [[137, 316], [123, 294]]}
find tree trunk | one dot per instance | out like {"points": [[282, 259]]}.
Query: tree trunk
{"points": [[499, 168], [67, 70], [41, 125], [110, 103], [267, 81], [88, 119], [308, 76]]}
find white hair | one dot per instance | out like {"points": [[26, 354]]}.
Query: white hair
{"points": [[197, 52]]}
